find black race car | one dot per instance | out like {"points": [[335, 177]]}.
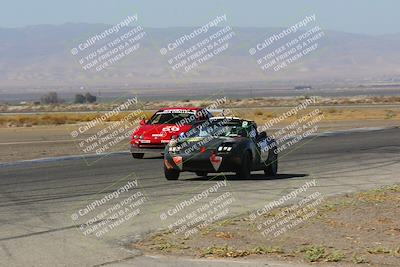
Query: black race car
{"points": [[221, 144]]}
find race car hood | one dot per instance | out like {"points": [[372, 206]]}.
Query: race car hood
{"points": [[164, 131], [213, 142]]}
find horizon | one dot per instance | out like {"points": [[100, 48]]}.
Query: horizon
{"points": [[189, 27], [375, 18]]}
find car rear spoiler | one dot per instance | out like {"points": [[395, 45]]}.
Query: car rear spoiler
{"points": [[222, 112]]}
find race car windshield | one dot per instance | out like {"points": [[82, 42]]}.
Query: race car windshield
{"points": [[219, 130], [171, 118]]}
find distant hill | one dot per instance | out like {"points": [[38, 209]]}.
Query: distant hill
{"points": [[40, 56]]}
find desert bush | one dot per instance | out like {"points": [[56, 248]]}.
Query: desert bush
{"points": [[258, 113], [50, 98]]}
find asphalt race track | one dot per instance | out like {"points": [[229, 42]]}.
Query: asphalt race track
{"points": [[39, 198]]}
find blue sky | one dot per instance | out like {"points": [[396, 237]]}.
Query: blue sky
{"points": [[358, 16]]}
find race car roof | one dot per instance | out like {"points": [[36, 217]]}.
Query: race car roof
{"points": [[181, 108], [234, 120], [187, 110], [225, 118]]}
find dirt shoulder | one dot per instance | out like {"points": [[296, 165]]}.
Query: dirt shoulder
{"points": [[24, 143], [351, 230]]}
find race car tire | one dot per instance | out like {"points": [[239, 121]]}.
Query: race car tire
{"points": [[201, 174], [272, 164], [171, 174], [137, 155], [245, 168]]}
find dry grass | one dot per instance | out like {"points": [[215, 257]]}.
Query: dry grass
{"points": [[55, 119], [265, 109], [235, 103], [258, 115], [351, 235], [330, 114]]}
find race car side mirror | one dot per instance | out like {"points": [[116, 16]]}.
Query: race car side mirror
{"points": [[142, 122], [262, 135], [242, 133]]}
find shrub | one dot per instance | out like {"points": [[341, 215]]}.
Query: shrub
{"points": [[90, 98], [79, 99], [50, 98], [314, 253]]}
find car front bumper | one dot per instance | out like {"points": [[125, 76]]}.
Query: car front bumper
{"points": [[147, 150], [201, 162]]}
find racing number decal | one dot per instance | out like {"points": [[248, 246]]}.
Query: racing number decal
{"points": [[170, 129]]}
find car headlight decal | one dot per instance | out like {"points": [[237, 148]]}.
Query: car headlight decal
{"points": [[224, 148], [215, 161], [178, 161]]}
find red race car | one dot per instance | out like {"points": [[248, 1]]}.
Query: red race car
{"points": [[166, 124]]}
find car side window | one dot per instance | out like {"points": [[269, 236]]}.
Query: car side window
{"points": [[205, 115], [200, 115]]}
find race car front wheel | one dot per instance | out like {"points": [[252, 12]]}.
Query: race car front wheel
{"points": [[272, 166], [137, 155], [245, 167], [171, 174]]}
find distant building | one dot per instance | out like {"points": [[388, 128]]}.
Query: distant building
{"points": [[303, 87]]}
